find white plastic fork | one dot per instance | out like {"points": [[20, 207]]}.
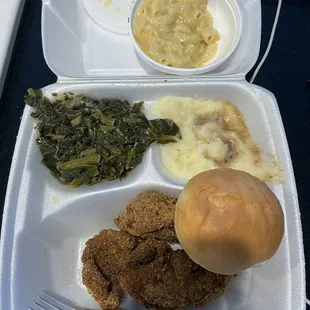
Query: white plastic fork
{"points": [[46, 301]]}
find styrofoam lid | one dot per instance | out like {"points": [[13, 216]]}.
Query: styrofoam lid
{"points": [[88, 39], [109, 14]]}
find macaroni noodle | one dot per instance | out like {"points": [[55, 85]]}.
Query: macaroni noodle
{"points": [[176, 33]]}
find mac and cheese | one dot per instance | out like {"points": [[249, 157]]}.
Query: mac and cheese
{"points": [[176, 33]]}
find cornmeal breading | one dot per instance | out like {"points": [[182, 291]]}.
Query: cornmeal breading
{"points": [[173, 281], [150, 215], [105, 257]]}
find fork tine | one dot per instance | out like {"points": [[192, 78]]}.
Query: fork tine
{"points": [[58, 302], [39, 306], [48, 303]]}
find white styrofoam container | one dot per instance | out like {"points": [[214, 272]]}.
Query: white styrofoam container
{"points": [[46, 224], [77, 47]]}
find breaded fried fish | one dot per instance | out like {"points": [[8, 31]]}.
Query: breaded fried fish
{"points": [[105, 257], [150, 215], [172, 281]]}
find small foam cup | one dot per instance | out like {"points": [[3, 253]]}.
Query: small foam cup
{"points": [[227, 20]]}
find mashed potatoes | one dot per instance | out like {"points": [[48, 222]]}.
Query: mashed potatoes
{"points": [[214, 135]]}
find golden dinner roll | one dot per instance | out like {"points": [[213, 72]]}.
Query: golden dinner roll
{"points": [[227, 221]]}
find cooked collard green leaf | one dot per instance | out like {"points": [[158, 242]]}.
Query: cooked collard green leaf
{"points": [[86, 141]]}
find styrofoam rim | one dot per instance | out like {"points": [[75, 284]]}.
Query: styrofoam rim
{"points": [[185, 71]]}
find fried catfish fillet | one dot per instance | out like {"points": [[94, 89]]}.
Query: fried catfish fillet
{"points": [[150, 215], [172, 281], [105, 257]]}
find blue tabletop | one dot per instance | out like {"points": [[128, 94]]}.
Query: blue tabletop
{"points": [[286, 73]]}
